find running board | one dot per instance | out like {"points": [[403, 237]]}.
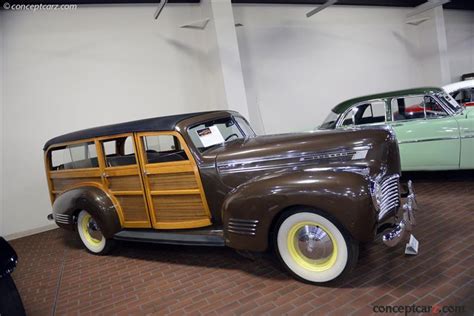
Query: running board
{"points": [[201, 237]]}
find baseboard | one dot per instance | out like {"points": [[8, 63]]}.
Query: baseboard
{"points": [[31, 232]]}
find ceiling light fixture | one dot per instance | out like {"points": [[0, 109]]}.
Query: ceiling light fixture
{"points": [[320, 8], [431, 4], [160, 8]]}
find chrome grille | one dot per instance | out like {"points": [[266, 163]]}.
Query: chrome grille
{"points": [[242, 226], [63, 219], [390, 195]]}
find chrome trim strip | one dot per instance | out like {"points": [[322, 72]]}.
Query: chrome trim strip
{"points": [[428, 140], [467, 136], [242, 226], [240, 233], [251, 164], [253, 221]]}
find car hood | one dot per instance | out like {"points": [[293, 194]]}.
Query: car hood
{"points": [[365, 150]]}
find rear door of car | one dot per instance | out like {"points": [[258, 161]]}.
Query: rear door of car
{"points": [[428, 136]]}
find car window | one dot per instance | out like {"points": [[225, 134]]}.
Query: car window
{"points": [[416, 107], [407, 108], [214, 133], [433, 109], [463, 95], [75, 156], [163, 148], [119, 151], [371, 112]]}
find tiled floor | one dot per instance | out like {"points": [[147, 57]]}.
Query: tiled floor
{"points": [[56, 276]]}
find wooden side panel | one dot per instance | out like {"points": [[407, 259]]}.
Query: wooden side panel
{"points": [[125, 183], [133, 207], [172, 181], [177, 208], [60, 184]]}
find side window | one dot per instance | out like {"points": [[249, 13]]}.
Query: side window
{"points": [[416, 107], [433, 109], [368, 113], [407, 108], [163, 148], [119, 152], [75, 156]]}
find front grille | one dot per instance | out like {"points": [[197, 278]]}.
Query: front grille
{"points": [[390, 195], [242, 226]]}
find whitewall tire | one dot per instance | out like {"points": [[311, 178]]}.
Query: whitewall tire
{"points": [[313, 248], [90, 234]]}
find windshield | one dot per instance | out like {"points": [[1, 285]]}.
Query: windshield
{"points": [[217, 132], [448, 100], [330, 121]]}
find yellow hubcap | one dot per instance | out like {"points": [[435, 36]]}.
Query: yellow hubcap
{"points": [[90, 230], [312, 246]]}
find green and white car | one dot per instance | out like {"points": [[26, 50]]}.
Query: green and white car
{"points": [[434, 132]]}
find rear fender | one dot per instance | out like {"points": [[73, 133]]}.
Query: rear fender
{"points": [[93, 200]]}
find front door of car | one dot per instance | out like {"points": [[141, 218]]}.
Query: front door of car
{"points": [[428, 136], [174, 191]]}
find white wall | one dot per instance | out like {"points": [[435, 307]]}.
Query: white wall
{"points": [[298, 68], [74, 69], [460, 36], [2, 125]]}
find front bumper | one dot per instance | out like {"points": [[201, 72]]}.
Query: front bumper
{"points": [[403, 228]]}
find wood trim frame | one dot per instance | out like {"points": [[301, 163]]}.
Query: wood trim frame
{"points": [[169, 167], [123, 171]]}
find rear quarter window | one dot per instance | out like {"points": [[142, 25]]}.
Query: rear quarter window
{"points": [[77, 156]]}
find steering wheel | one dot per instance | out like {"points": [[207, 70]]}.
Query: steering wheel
{"points": [[230, 136]]}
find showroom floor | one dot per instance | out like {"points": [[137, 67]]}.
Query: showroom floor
{"points": [[56, 276]]}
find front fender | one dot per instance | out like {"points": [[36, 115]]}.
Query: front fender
{"points": [[258, 203], [93, 200]]}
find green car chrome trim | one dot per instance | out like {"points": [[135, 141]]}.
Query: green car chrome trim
{"points": [[428, 140]]}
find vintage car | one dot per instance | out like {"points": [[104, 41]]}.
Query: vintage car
{"points": [[433, 131], [462, 92], [10, 300], [207, 179]]}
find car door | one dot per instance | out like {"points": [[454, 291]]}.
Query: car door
{"points": [[122, 177], [172, 182], [428, 136]]}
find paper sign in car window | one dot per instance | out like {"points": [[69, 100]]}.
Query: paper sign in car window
{"points": [[210, 136]]}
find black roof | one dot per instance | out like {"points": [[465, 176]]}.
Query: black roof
{"points": [[164, 123]]}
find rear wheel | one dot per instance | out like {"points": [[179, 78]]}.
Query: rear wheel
{"points": [[91, 236], [313, 248]]}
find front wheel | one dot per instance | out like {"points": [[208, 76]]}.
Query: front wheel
{"points": [[313, 248], [91, 236]]}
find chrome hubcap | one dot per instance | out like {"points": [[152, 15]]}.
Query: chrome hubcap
{"points": [[93, 229], [314, 243]]}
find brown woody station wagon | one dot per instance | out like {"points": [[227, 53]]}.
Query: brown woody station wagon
{"points": [[206, 179]]}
